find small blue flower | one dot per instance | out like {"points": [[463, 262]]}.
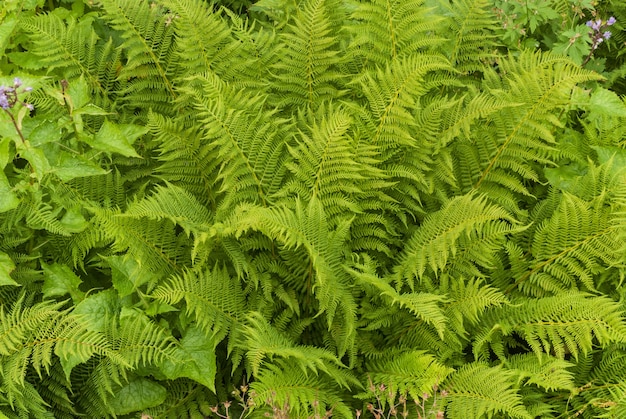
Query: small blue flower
{"points": [[606, 35], [611, 21]]}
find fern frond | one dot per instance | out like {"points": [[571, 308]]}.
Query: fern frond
{"points": [[155, 243], [246, 140], [386, 30], [472, 44], [299, 395], [149, 52], [410, 373], [542, 84], [266, 345], [175, 204], [549, 373], [212, 298], [204, 40], [467, 300], [574, 245], [325, 164], [435, 243], [308, 227], [307, 72], [571, 322], [477, 390], [74, 49]]}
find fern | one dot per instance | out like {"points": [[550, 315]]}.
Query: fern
{"points": [[320, 204], [477, 390]]}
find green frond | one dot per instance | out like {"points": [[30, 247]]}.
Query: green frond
{"points": [[247, 142], [325, 164], [307, 72], [424, 306], [408, 373], [549, 373], [601, 384], [149, 45], [477, 390], [472, 43], [185, 159], [204, 40], [571, 322], [541, 83], [467, 300], [40, 339], [139, 341], [386, 30], [73, 49], [266, 345], [435, 244], [43, 216], [574, 245], [393, 94], [175, 204], [212, 298], [308, 227], [156, 244], [298, 395]]}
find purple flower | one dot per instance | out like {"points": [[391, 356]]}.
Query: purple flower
{"points": [[597, 25], [606, 35], [4, 102], [611, 21], [17, 82]]}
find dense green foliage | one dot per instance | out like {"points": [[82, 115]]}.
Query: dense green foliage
{"points": [[319, 204]]}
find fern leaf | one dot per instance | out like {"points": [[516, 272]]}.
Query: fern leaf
{"points": [[477, 390], [435, 242], [307, 73]]}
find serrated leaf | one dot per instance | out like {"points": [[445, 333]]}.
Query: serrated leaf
{"points": [[604, 102], [71, 166], [37, 159], [197, 356], [114, 138], [127, 274], [138, 394], [6, 267], [99, 309], [59, 280], [8, 198]]}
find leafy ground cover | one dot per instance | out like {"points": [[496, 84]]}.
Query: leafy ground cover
{"points": [[312, 208]]}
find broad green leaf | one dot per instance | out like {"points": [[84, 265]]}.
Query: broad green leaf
{"points": [[78, 93], [74, 221], [564, 177], [138, 394], [59, 280], [99, 309], [114, 138], [6, 267], [8, 198], [37, 159], [71, 166], [197, 359], [42, 132], [7, 26], [5, 152], [604, 102], [127, 274]]}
